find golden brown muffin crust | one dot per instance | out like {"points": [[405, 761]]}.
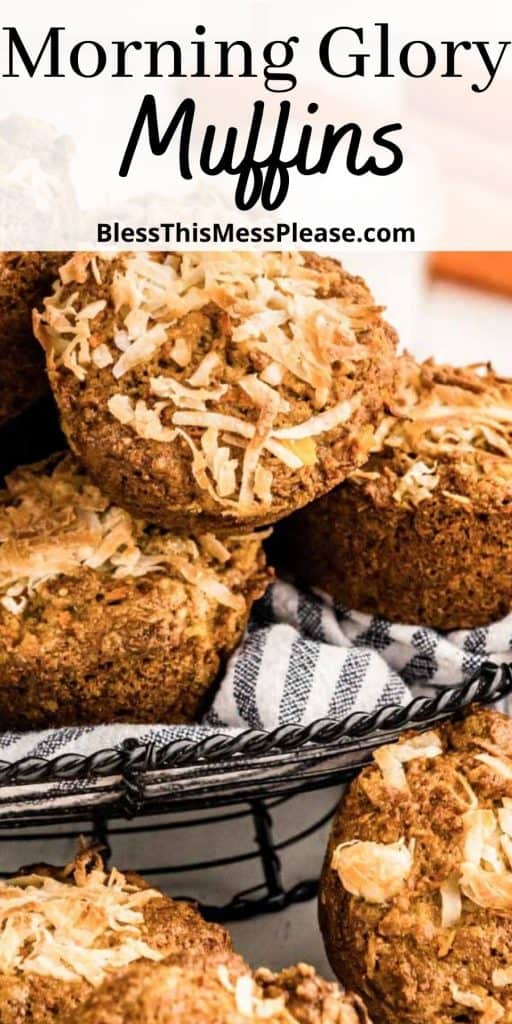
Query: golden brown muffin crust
{"points": [[228, 388], [72, 927], [105, 618], [420, 534], [416, 891], [220, 990], [450, 433]]}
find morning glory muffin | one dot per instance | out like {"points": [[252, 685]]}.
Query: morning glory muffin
{"points": [[25, 278], [219, 990], [206, 391], [104, 618], [416, 891], [422, 533], [65, 931]]}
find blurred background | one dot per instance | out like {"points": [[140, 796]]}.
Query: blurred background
{"points": [[456, 306]]}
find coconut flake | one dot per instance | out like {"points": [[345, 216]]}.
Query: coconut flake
{"points": [[215, 548], [320, 424], [84, 928], [92, 310], [391, 757], [490, 1010], [451, 902], [268, 412], [501, 977], [498, 765], [489, 889], [121, 408], [102, 357], [479, 827], [202, 375], [181, 352], [141, 350], [273, 374], [209, 584], [375, 872], [262, 394], [263, 484], [220, 421], [183, 396], [505, 816]]}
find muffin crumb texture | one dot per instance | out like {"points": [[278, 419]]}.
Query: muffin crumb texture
{"points": [[221, 990]]}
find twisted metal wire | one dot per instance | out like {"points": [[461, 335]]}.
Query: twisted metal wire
{"points": [[134, 759]]}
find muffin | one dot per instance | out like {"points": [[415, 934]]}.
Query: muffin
{"points": [[105, 618], [64, 931], [421, 534], [220, 990], [25, 278], [206, 391], [416, 891]]}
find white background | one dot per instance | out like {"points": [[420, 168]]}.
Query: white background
{"points": [[454, 188]]}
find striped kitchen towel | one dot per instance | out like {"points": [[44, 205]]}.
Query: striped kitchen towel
{"points": [[303, 658]]}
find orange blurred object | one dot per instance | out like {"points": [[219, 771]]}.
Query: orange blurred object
{"points": [[491, 270]]}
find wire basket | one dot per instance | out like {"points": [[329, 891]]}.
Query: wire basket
{"points": [[137, 778], [260, 851]]}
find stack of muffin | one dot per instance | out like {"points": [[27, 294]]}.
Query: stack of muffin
{"points": [[203, 396]]}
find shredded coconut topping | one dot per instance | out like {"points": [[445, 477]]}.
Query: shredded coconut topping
{"points": [[249, 1000], [393, 756], [485, 873], [441, 413], [73, 930], [277, 310], [374, 872], [54, 521], [451, 902]]}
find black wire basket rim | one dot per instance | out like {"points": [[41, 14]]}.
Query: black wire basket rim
{"points": [[132, 758]]}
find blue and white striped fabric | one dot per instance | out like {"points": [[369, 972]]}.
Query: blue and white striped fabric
{"points": [[302, 659]]}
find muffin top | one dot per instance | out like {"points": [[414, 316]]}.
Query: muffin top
{"points": [[242, 368], [417, 885], [449, 434], [221, 990], [80, 926], [57, 530], [82, 923]]}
